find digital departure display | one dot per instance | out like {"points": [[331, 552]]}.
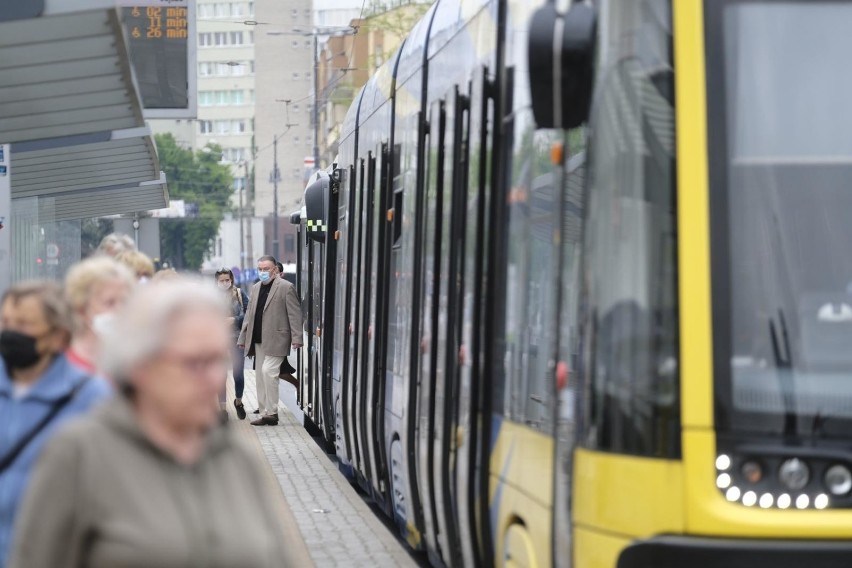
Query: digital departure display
{"points": [[159, 35]]}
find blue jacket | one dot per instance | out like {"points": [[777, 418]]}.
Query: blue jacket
{"points": [[19, 416]]}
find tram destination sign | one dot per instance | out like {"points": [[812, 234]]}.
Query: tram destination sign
{"points": [[160, 37]]}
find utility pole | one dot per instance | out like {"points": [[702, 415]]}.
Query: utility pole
{"points": [[242, 220], [276, 176], [249, 239], [316, 101]]}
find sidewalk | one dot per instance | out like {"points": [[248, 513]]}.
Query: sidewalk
{"points": [[337, 527]]}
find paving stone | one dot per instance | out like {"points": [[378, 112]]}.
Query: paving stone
{"points": [[337, 526]]}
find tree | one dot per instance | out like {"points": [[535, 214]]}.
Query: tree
{"points": [[197, 178], [92, 231]]}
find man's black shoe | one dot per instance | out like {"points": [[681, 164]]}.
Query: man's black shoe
{"points": [[266, 421]]}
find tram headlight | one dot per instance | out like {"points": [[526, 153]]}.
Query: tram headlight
{"points": [[723, 462], [752, 471], [749, 498], [794, 474], [766, 500], [733, 494], [784, 501], [838, 480], [723, 481], [802, 501], [821, 501]]}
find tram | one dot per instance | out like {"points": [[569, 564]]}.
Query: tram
{"points": [[580, 296]]}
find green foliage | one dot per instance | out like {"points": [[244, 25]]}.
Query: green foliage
{"points": [[196, 178], [92, 232]]}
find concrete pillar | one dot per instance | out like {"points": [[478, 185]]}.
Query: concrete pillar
{"points": [[5, 219], [149, 233]]}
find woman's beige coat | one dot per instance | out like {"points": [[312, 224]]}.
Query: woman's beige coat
{"points": [[103, 496]]}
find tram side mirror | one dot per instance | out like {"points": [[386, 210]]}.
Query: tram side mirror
{"points": [[561, 63], [316, 208]]}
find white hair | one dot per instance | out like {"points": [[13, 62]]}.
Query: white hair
{"points": [[141, 329], [116, 243]]}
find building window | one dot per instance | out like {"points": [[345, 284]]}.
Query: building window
{"points": [[237, 98], [222, 10], [251, 38], [205, 39], [220, 38], [206, 11], [237, 9], [238, 70], [221, 69], [205, 126], [205, 69], [239, 183], [205, 98], [251, 8], [236, 38], [251, 65]]}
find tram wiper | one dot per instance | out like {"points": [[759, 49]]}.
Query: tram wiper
{"points": [[784, 362]]}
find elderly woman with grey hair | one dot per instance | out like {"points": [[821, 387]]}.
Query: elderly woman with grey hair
{"points": [[154, 479], [115, 243]]}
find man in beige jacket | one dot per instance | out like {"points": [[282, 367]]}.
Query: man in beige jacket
{"points": [[272, 324]]}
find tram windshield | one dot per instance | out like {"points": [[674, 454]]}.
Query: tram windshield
{"points": [[781, 186]]}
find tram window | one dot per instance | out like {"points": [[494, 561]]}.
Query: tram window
{"points": [[396, 175], [631, 361]]}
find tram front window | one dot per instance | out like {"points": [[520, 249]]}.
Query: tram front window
{"points": [[779, 119]]}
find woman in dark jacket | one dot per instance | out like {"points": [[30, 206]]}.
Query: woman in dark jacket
{"points": [[238, 303]]}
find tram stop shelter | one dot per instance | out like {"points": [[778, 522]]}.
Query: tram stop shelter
{"points": [[73, 140]]}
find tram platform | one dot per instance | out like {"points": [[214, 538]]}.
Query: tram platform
{"points": [[327, 522]]}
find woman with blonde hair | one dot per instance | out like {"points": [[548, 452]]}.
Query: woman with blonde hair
{"points": [[139, 263], [95, 288], [154, 479]]}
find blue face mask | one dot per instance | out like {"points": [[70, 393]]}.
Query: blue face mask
{"points": [[264, 276]]}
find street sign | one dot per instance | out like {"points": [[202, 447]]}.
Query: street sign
{"points": [[52, 250]]}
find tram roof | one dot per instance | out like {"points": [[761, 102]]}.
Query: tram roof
{"points": [[71, 110]]}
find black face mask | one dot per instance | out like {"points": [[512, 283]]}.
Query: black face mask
{"points": [[18, 350]]}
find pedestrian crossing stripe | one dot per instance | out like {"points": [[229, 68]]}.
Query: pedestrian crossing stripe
{"points": [[316, 225]]}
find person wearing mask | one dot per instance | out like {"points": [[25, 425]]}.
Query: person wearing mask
{"points": [[272, 325], [95, 288], [39, 388], [238, 303], [139, 263], [154, 479]]}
